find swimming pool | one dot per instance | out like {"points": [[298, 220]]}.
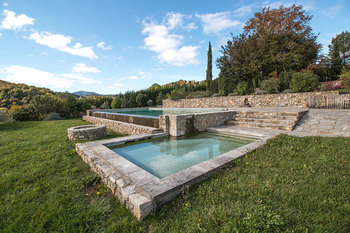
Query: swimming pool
{"points": [[166, 156], [155, 112]]}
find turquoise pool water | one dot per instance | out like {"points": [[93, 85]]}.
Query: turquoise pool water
{"points": [[165, 156], [157, 112]]}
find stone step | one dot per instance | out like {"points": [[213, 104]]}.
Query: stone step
{"points": [[255, 116], [264, 120], [261, 125], [263, 113]]}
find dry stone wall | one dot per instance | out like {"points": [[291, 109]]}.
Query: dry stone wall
{"points": [[122, 127], [270, 100]]}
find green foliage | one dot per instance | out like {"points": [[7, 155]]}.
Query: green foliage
{"points": [[149, 102], [141, 100], [271, 85], [214, 85], [199, 94], [242, 88], [222, 93], [53, 116], [116, 102], [260, 92], [105, 105], [209, 70], [267, 47], [339, 53], [303, 82], [160, 98], [284, 79], [26, 113], [345, 77], [177, 94], [124, 103], [4, 116]]}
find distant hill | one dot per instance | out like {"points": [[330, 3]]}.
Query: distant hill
{"points": [[85, 93], [4, 84]]}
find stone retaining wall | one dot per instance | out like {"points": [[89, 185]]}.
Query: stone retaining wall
{"points": [[144, 120], [122, 127], [86, 132], [180, 125], [270, 100]]}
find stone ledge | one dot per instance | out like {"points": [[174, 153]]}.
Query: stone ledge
{"points": [[122, 127]]}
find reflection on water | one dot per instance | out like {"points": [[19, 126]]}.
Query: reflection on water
{"points": [[165, 156]]}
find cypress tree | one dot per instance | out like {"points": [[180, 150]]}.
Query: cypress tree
{"points": [[209, 68]]}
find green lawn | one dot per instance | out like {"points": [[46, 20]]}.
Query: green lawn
{"points": [[291, 184]]}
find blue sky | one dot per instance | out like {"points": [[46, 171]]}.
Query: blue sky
{"points": [[114, 46]]}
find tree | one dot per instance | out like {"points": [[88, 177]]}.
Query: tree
{"points": [[160, 98], [141, 100], [339, 53], [274, 41], [209, 69], [116, 102]]}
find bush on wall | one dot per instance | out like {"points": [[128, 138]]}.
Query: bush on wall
{"points": [[271, 85], [303, 82]]}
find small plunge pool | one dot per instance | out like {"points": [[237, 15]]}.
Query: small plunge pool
{"points": [[165, 156]]}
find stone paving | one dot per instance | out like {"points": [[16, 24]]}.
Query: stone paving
{"points": [[324, 122]]}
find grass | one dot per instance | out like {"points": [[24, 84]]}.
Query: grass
{"points": [[291, 184]]}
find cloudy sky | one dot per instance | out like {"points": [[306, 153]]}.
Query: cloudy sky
{"points": [[111, 46]]}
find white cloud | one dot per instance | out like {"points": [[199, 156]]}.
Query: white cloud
{"points": [[63, 43], [244, 10], [15, 22], [31, 76], [101, 45], [80, 78], [134, 77], [173, 20], [168, 45], [82, 68], [0, 34], [190, 26], [116, 85], [276, 5], [217, 22], [6, 4]]}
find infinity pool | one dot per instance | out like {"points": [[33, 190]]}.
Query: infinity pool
{"points": [[157, 111], [165, 156]]}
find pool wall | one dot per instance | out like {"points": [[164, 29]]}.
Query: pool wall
{"points": [[174, 125], [122, 127], [140, 191], [184, 124], [138, 120]]}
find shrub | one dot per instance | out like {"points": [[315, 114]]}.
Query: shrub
{"points": [[215, 95], [177, 94], [4, 116], [199, 94], [260, 92], [150, 102], [222, 93], [345, 77], [141, 100], [241, 88], [271, 85], [124, 103], [287, 91], [160, 98], [53, 116], [25, 114], [105, 105], [303, 82], [232, 94], [116, 102], [285, 79], [332, 85]]}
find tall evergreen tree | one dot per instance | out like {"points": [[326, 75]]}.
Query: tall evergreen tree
{"points": [[209, 68]]}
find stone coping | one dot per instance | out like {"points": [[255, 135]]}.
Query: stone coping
{"points": [[149, 189], [125, 114]]}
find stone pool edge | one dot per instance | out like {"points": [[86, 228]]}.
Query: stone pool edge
{"points": [[139, 190]]}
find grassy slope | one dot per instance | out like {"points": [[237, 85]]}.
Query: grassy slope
{"points": [[290, 184]]}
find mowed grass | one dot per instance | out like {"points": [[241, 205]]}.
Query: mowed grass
{"points": [[291, 184]]}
